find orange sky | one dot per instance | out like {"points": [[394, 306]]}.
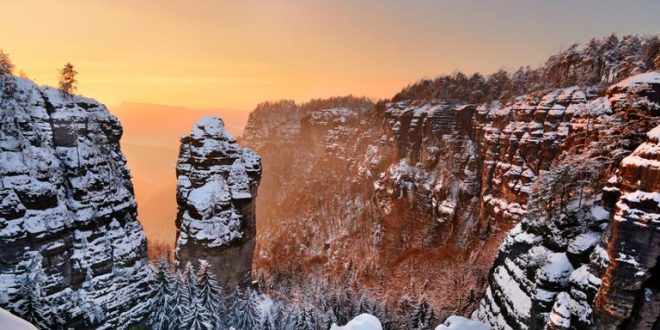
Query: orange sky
{"points": [[235, 54]]}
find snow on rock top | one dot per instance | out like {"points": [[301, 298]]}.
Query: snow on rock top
{"points": [[460, 323], [67, 208], [217, 182], [360, 322], [558, 270], [644, 78]]}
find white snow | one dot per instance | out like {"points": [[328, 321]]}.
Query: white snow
{"points": [[599, 213], [210, 125], [557, 269], [644, 78], [654, 134], [519, 301], [9, 321], [360, 322], [583, 242], [460, 323], [204, 198]]}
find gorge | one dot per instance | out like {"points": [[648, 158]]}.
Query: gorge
{"points": [[524, 200]]}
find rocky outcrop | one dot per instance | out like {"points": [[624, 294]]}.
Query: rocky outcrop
{"points": [[217, 184], [629, 296], [399, 196], [434, 185], [578, 266], [67, 211]]}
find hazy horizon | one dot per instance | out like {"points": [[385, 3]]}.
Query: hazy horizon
{"points": [[214, 54]]}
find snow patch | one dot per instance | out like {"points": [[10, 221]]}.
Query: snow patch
{"points": [[360, 322], [460, 323]]}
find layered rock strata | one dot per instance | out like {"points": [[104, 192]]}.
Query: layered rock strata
{"points": [[217, 184], [67, 211]]}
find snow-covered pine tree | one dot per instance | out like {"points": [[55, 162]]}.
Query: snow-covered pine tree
{"points": [[303, 320], [163, 286], [277, 315], [404, 314], [190, 281], [235, 312], [197, 319], [327, 319], [210, 295], [6, 67], [251, 313], [266, 322], [32, 307], [343, 306], [180, 302], [362, 305], [423, 316]]}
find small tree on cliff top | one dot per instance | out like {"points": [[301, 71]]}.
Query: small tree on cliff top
{"points": [[6, 67], [68, 82]]}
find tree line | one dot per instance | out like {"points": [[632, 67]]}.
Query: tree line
{"points": [[599, 62], [192, 299]]}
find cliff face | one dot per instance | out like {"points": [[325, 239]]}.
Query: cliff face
{"points": [[630, 295], [394, 194], [216, 186], [589, 263], [67, 211]]}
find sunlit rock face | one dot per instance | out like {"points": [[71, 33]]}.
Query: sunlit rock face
{"points": [[630, 295], [217, 184], [67, 208], [397, 193], [593, 264]]}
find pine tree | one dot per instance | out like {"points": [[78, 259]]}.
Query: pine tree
{"points": [[249, 319], [180, 302], [68, 82], [423, 316], [235, 312], [32, 307], [6, 67], [266, 322], [404, 314], [304, 319], [190, 279], [164, 283], [277, 315], [210, 295], [197, 319]]}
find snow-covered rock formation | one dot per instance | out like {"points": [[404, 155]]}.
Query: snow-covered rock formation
{"points": [[401, 195], [460, 323], [592, 263], [360, 322], [69, 236], [217, 184]]}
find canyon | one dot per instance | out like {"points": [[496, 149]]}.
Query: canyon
{"points": [[523, 200], [400, 195]]}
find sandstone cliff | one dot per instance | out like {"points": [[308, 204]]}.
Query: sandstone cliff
{"points": [[398, 197], [67, 211], [216, 186], [577, 267]]}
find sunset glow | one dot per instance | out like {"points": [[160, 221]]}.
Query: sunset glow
{"points": [[235, 54]]}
